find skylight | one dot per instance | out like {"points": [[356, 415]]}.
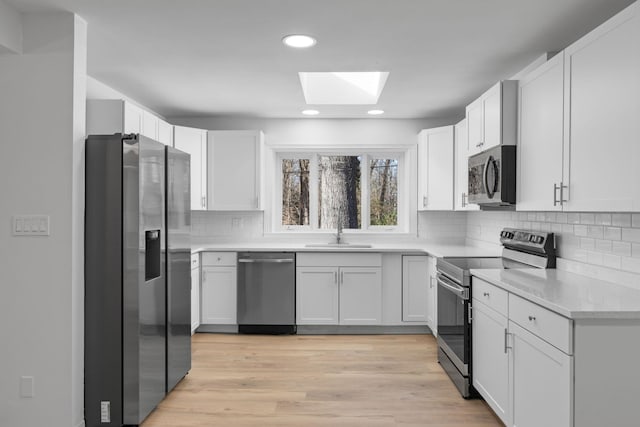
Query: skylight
{"points": [[348, 88]]}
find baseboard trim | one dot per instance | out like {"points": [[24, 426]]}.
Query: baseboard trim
{"points": [[362, 330], [221, 329]]}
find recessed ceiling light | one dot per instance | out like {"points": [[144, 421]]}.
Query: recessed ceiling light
{"points": [[375, 112], [310, 112], [299, 40]]}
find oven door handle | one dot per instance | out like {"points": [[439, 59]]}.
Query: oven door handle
{"points": [[452, 286]]}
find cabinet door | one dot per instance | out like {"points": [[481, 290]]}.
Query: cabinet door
{"points": [[542, 381], [492, 117], [440, 168], [193, 141], [234, 170], [219, 293], [165, 133], [475, 132], [490, 359], [461, 184], [415, 288], [195, 299], [541, 128], [133, 118], [149, 125], [317, 295], [422, 171], [360, 296], [602, 84]]}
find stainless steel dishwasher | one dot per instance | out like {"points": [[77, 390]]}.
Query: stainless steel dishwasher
{"points": [[266, 292]]}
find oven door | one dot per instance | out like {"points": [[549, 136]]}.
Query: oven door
{"points": [[454, 329]]}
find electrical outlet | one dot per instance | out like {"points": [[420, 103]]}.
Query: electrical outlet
{"points": [[30, 225], [27, 388], [105, 411]]}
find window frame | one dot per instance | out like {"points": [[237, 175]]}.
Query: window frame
{"points": [[367, 154]]}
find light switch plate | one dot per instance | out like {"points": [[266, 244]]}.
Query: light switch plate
{"points": [[27, 388], [30, 225]]}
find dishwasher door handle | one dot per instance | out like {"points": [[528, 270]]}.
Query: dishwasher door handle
{"points": [[266, 260]]}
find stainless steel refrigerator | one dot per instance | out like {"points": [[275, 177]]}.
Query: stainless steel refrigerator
{"points": [[137, 341]]}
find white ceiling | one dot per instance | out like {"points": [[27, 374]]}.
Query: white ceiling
{"points": [[224, 57]]}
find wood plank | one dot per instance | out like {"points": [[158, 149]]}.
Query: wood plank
{"points": [[317, 380]]}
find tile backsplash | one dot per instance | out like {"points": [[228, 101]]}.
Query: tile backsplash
{"points": [[598, 240]]}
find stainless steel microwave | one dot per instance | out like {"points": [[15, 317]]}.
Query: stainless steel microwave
{"points": [[492, 177]]}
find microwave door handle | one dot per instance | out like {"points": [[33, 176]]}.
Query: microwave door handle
{"points": [[485, 179]]}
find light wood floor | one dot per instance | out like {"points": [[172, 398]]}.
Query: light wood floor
{"points": [[303, 380]]}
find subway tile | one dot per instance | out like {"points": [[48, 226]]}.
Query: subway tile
{"points": [[579, 255], [595, 231], [630, 264], [580, 230], [613, 233], [621, 220], [603, 246], [556, 228], [535, 226], [595, 258], [541, 216], [573, 218], [526, 225], [603, 219], [631, 234], [621, 248], [531, 216], [545, 226], [611, 261], [635, 220], [561, 217], [587, 218], [587, 244], [523, 216], [635, 250], [567, 228]]}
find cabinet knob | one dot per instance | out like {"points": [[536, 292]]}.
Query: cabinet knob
{"points": [[486, 294], [532, 318]]}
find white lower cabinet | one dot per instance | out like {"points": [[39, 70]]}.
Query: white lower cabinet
{"points": [[415, 288], [195, 292], [432, 297], [360, 296], [219, 288], [527, 381], [491, 359], [338, 289], [317, 296], [542, 380]]}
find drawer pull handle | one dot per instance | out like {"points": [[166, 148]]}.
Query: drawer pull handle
{"points": [[532, 318], [486, 294]]}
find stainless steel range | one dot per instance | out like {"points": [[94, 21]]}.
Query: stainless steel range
{"points": [[521, 249]]}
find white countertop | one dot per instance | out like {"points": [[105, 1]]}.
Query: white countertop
{"points": [[569, 294], [433, 249]]}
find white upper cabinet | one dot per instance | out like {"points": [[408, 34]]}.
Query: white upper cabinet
{"points": [[435, 169], [491, 119], [165, 132], [194, 142], [541, 133], [108, 116], [579, 128], [461, 186], [602, 110], [235, 170]]}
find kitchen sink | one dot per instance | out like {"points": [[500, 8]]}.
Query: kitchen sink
{"points": [[338, 245]]}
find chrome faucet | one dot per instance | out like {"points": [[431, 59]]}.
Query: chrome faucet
{"points": [[339, 232]]}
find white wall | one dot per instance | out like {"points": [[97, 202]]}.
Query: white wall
{"points": [[41, 278]]}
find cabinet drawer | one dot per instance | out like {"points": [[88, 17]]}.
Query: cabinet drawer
{"points": [[219, 258], [549, 326], [195, 261], [491, 295]]}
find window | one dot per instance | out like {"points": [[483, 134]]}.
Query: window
{"points": [[357, 191]]}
